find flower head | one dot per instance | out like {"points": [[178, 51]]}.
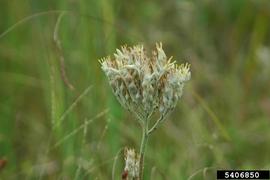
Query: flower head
{"points": [[132, 162], [145, 84]]}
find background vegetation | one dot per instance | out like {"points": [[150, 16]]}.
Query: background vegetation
{"points": [[49, 131]]}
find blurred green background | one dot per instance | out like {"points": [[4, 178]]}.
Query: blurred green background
{"points": [[49, 130]]}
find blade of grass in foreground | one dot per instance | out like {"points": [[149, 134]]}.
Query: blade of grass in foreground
{"points": [[213, 116], [81, 127]]}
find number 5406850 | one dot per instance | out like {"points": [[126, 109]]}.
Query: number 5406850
{"points": [[242, 175]]}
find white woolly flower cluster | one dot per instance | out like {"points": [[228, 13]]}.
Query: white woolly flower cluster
{"points": [[131, 163], [145, 85]]}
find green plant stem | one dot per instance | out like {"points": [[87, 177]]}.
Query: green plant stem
{"points": [[142, 150]]}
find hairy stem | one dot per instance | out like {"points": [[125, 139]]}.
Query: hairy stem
{"points": [[142, 150]]}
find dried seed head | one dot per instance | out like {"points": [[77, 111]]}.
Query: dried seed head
{"points": [[143, 84]]}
